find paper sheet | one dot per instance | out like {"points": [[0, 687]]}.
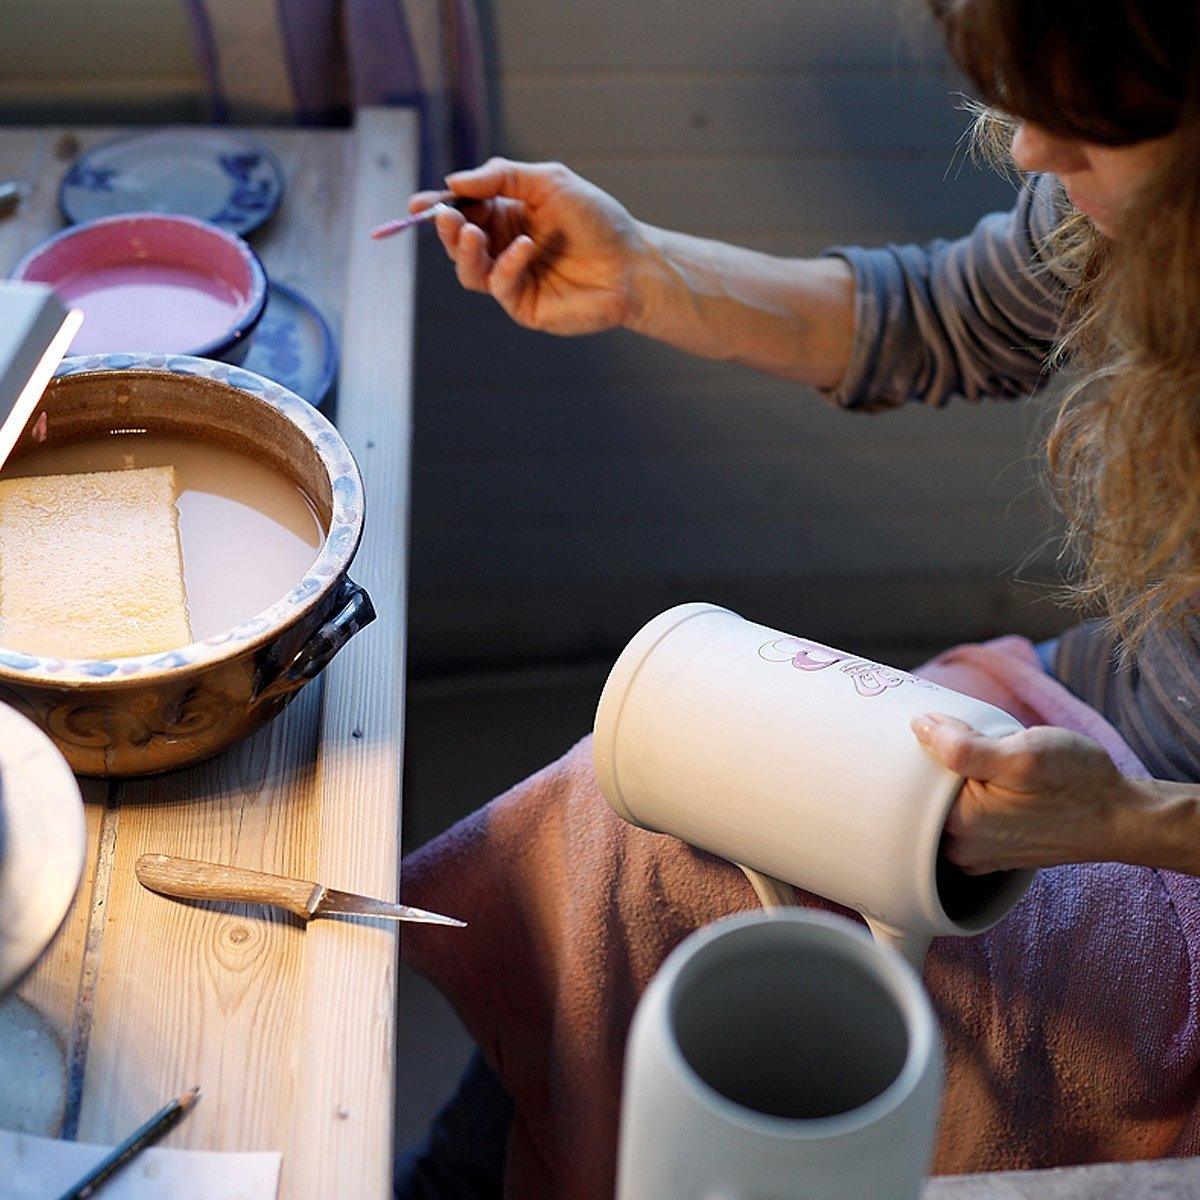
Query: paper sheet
{"points": [[36, 1168]]}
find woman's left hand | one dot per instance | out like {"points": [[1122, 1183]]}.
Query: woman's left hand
{"points": [[1032, 799]]}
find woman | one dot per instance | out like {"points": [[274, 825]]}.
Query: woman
{"points": [[1072, 1028]]}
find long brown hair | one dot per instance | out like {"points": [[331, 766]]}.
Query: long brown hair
{"points": [[1124, 452]]}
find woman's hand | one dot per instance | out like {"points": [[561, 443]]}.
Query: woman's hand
{"points": [[1037, 798], [554, 251]]}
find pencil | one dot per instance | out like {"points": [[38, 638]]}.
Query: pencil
{"points": [[157, 1127], [448, 199]]}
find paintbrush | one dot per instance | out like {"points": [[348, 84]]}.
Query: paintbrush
{"points": [[446, 200]]}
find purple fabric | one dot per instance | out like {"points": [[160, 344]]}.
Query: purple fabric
{"points": [[312, 37], [423, 54], [470, 93], [385, 70], [205, 45], [1071, 1028], [383, 60]]}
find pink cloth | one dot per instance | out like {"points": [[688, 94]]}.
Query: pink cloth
{"points": [[1070, 1028]]}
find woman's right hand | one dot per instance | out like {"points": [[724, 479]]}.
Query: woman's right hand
{"points": [[556, 252]]}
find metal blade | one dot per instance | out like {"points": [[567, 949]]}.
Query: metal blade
{"points": [[334, 901]]}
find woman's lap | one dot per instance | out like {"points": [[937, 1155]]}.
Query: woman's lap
{"points": [[1069, 1028]]}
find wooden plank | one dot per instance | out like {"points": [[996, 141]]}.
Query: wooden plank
{"points": [[690, 416], [348, 1038], [72, 37], [28, 156], [549, 36], [752, 484], [509, 624], [236, 970], [289, 1031], [126, 99], [304, 243], [565, 117], [965, 538], [209, 995], [701, 193]]}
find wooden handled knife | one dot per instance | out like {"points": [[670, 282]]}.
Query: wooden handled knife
{"points": [[187, 879]]}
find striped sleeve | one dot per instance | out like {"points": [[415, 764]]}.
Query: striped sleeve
{"points": [[1153, 701], [974, 317]]}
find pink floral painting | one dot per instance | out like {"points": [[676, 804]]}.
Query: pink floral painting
{"points": [[869, 678]]}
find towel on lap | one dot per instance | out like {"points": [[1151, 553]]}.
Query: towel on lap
{"points": [[1071, 1028]]}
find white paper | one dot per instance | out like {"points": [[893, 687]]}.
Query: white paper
{"points": [[37, 1168]]}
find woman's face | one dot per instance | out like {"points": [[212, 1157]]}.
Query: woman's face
{"points": [[1101, 180]]}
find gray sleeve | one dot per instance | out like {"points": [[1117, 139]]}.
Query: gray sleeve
{"points": [[974, 317]]}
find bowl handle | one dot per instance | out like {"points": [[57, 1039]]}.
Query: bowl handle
{"points": [[355, 612]]}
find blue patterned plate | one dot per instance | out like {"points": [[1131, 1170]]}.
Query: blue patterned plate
{"points": [[293, 346], [216, 175]]}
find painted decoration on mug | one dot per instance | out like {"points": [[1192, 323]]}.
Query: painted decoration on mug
{"points": [[869, 678]]}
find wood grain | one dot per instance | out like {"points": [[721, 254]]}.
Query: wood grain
{"points": [[290, 1035], [350, 969]]}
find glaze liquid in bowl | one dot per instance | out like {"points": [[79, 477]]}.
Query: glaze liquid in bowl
{"points": [[154, 283], [126, 717], [239, 520]]}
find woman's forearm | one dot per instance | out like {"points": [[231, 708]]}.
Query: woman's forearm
{"points": [[1157, 824], [789, 317]]}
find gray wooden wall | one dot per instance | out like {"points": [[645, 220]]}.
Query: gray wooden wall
{"points": [[564, 490]]}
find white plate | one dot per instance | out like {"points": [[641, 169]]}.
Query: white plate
{"points": [[216, 175], [294, 346]]}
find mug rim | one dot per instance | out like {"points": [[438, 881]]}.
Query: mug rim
{"points": [[805, 927]]}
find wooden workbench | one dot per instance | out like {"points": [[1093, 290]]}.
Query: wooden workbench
{"points": [[288, 1030]]}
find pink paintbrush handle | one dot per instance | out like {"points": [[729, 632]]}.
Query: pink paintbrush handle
{"points": [[402, 223]]}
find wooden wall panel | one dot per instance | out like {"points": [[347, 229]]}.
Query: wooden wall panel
{"points": [[711, 35]]}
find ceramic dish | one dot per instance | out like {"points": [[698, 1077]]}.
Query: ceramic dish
{"points": [[216, 175], [294, 346], [139, 716], [149, 283]]}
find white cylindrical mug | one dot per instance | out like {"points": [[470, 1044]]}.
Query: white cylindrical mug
{"points": [[777, 1056], [797, 762]]}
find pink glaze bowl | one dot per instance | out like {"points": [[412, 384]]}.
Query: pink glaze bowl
{"points": [[154, 283]]}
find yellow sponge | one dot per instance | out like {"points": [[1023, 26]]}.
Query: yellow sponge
{"points": [[90, 565]]}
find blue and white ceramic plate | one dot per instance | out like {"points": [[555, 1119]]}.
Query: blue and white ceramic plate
{"points": [[293, 345], [216, 175]]}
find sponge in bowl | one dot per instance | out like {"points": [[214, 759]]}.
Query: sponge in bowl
{"points": [[90, 565]]}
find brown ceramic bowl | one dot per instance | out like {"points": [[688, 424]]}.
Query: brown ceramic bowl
{"points": [[140, 716]]}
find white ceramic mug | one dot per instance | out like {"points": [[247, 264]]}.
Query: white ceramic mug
{"points": [[797, 762], [780, 1056]]}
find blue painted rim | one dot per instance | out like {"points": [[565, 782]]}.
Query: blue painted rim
{"points": [[246, 323], [249, 227], [329, 348]]}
